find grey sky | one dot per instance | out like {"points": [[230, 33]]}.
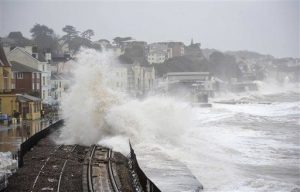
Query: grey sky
{"points": [[270, 27]]}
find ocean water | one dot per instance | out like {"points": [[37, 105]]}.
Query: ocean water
{"points": [[248, 147]]}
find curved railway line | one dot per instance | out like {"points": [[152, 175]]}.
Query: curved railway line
{"points": [[100, 175]]}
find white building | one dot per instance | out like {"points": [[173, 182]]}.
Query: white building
{"points": [[59, 85], [156, 57], [158, 53], [133, 79], [35, 61], [119, 78]]}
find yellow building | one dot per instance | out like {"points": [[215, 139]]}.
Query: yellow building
{"points": [[8, 104], [5, 73], [7, 100], [29, 106]]}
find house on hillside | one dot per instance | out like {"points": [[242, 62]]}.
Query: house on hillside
{"points": [[158, 52], [176, 49]]}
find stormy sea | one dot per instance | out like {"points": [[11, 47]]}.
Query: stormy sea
{"points": [[253, 146]]}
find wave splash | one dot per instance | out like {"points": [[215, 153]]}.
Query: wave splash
{"points": [[95, 113], [219, 145]]}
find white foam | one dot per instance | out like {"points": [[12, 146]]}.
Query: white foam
{"points": [[214, 143]]}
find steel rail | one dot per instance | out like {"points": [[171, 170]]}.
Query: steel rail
{"points": [[63, 168], [89, 172], [37, 177], [110, 171]]}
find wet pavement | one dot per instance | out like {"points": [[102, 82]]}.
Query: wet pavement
{"points": [[12, 136]]}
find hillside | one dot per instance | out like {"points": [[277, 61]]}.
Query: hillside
{"points": [[182, 64]]}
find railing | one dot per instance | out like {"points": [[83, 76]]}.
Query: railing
{"points": [[139, 179], [29, 143]]}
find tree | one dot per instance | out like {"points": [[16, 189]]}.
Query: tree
{"points": [[17, 39], [120, 40], [71, 33], [41, 30], [44, 38], [224, 66], [87, 34]]}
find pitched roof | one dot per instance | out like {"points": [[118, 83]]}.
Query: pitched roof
{"points": [[19, 67], [3, 60], [24, 51]]}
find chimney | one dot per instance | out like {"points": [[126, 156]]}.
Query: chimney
{"points": [[35, 52], [48, 55]]}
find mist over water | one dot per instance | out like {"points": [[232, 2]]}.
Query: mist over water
{"points": [[249, 147]]}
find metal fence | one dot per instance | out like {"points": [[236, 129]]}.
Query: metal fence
{"points": [[140, 181], [30, 142]]}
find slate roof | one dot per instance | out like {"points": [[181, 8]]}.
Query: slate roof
{"points": [[19, 67]]}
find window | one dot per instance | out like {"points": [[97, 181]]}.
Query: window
{"points": [[38, 75], [60, 84], [37, 86], [19, 75], [44, 81], [32, 75], [13, 75], [33, 88], [44, 94], [43, 67], [13, 86]]}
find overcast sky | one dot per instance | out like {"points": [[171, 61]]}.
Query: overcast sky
{"points": [[270, 27]]}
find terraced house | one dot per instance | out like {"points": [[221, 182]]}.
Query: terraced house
{"points": [[30, 58], [28, 106]]}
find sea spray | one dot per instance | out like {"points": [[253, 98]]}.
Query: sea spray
{"points": [[88, 99], [250, 147], [94, 112]]}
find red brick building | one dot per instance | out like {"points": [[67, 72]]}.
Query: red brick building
{"points": [[25, 79], [177, 49]]}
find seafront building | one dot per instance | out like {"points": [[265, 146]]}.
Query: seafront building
{"points": [[11, 104], [36, 61]]}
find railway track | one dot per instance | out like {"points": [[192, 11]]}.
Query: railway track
{"points": [[99, 175], [49, 175]]}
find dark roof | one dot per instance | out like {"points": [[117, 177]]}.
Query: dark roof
{"points": [[60, 59], [19, 67], [3, 60]]}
